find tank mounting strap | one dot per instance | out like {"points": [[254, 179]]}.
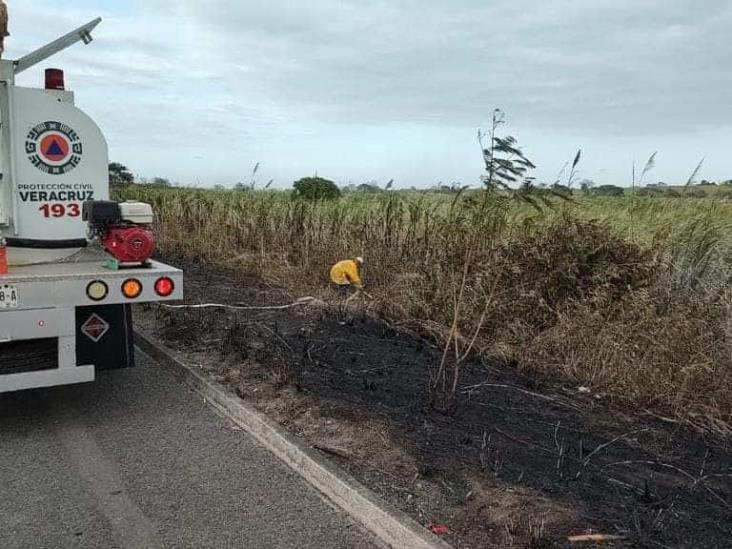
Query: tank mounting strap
{"points": [[46, 244]]}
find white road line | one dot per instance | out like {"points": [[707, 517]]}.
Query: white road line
{"points": [[130, 527]]}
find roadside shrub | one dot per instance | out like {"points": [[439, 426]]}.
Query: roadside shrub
{"points": [[677, 363], [650, 191], [556, 266], [315, 188], [694, 193], [661, 337], [724, 193]]}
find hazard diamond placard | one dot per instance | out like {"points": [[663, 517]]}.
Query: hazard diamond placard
{"points": [[95, 327]]}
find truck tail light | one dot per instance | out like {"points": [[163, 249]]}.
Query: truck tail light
{"points": [[55, 79], [131, 288], [97, 290], [164, 286]]}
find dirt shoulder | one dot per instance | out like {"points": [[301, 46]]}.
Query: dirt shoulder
{"points": [[518, 465]]}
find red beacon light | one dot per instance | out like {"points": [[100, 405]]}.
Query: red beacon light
{"points": [[55, 79], [164, 286]]}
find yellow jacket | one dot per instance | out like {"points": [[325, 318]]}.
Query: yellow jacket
{"points": [[346, 272]]}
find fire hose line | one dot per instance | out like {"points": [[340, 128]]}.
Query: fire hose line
{"points": [[298, 303]]}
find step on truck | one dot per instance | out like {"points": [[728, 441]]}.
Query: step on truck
{"points": [[72, 262]]}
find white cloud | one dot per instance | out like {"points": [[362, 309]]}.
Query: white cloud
{"points": [[566, 64], [292, 83]]}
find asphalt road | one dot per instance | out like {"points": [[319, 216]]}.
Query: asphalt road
{"points": [[136, 461]]}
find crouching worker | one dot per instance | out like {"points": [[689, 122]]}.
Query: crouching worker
{"points": [[346, 274]]}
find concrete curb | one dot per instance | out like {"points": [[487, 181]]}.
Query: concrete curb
{"points": [[390, 525]]}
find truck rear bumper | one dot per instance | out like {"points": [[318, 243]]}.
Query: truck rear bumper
{"points": [[36, 327], [66, 284], [90, 329], [46, 347], [46, 378]]}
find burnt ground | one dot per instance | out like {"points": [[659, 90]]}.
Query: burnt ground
{"points": [[519, 464]]}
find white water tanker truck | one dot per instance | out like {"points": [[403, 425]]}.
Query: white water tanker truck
{"points": [[72, 262]]}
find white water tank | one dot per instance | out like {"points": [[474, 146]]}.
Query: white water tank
{"points": [[54, 158]]}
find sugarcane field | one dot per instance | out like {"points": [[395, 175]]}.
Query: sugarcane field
{"points": [[341, 274]]}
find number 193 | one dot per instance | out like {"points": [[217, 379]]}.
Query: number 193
{"points": [[60, 210]]}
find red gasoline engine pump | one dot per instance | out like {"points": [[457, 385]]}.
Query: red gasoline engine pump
{"points": [[123, 228]]}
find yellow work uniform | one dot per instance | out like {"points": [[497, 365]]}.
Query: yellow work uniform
{"points": [[346, 272]]}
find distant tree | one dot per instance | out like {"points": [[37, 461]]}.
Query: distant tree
{"points": [[586, 185], [315, 188], [161, 182], [219, 187], [119, 174], [453, 188], [707, 183], [608, 190], [369, 187], [727, 183]]}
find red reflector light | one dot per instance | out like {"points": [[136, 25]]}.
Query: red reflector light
{"points": [[55, 79], [164, 287]]}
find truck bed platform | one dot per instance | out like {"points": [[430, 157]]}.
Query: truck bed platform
{"points": [[87, 263], [65, 283]]}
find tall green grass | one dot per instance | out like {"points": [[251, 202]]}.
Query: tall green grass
{"points": [[658, 266]]}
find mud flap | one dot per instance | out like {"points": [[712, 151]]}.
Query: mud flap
{"points": [[104, 336]]}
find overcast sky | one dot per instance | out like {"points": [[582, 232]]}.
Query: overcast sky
{"points": [[200, 91]]}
